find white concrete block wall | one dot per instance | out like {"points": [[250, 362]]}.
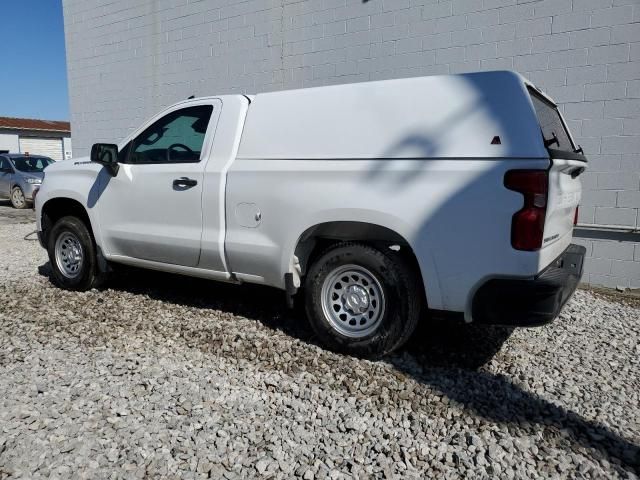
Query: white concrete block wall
{"points": [[129, 58]]}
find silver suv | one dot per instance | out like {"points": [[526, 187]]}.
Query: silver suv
{"points": [[19, 175]]}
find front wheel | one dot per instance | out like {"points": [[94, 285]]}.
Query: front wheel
{"points": [[18, 200], [72, 255], [362, 301]]}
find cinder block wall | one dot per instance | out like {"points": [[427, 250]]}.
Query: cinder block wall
{"points": [[129, 58]]}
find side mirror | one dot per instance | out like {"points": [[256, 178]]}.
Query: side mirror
{"points": [[106, 154]]}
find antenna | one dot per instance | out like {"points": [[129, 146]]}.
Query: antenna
{"points": [[191, 96]]}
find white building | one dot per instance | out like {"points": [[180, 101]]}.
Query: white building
{"points": [[127, 59], [36, 137]]}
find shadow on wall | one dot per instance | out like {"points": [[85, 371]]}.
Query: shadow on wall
{"points": [[441, 356]]}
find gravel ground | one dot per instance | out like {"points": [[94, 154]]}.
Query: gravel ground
{"points": [[11, 216], [163, 376]]}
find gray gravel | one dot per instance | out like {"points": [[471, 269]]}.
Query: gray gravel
{"points": [[11, 216], [162, 376]]}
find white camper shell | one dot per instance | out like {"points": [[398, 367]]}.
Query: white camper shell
{"points": [[462, 186], [450, 116]]}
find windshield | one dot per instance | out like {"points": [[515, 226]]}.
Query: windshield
{"points": [[31, 164]]}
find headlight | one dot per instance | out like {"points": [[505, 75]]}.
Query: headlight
{"points": [[34, 181]]}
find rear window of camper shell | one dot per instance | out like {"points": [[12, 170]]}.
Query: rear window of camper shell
{"points": [[554, 130]]}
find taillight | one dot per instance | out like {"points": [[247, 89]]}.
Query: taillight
{"points": [[575, 216], [527, 224]]}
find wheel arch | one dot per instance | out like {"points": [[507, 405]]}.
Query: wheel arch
{"points": [[56, 208], [317, 238]]}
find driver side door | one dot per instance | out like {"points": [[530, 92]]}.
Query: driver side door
{"points": [[152, 209]]}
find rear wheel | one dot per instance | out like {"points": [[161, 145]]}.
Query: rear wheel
{"points": [[18, 200], [72, 255], [362, 301]]}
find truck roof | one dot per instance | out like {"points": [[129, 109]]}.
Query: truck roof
{"points": [[475, 115]]}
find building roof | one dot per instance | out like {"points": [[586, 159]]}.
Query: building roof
{"points": [[33, 124]]}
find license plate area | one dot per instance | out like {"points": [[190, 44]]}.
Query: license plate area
{"points": [[571, 260]]}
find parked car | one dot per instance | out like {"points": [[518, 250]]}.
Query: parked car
{"points": [[20, 175], [384, 202]]}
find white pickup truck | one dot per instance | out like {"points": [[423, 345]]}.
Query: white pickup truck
{"points": [[381, 202]]}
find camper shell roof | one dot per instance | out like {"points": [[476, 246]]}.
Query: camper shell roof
{"points": [[476, 115]]}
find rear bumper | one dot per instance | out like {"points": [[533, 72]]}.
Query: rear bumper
{"points": [[530, 302]]}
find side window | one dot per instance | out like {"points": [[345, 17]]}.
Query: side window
{"points": [[39, 164], [175, 138], [4, 165]]}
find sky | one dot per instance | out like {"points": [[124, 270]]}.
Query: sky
{"points": [[33, 74]]}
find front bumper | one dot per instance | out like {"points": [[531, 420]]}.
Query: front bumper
{"points": [[28, 188], [530, 302]]}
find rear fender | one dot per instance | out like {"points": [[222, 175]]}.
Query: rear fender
{"points": [[290, 262]]}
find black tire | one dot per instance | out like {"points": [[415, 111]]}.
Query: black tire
{"points": [[18, 206], [89, 275], [400, 286]]}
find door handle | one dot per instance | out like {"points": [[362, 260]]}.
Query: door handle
{"points": [[183, 183]]}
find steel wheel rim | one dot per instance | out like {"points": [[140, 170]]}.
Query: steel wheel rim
{"points": [[18, 197], [69, 255], [353, 301]]}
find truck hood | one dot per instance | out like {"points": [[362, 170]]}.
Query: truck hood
{"points": [[72, 170], [71, 164], [74, 166]]}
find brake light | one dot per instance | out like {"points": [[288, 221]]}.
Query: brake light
{"points": [[575, 216], [527, 224]]}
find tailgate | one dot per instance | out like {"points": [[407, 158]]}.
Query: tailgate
{"points": [[563, 199]]}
